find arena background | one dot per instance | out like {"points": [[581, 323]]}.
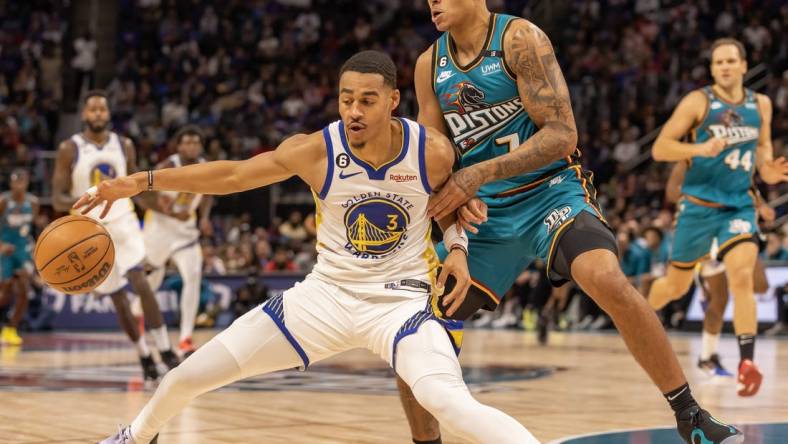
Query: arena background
{"points": [[250, 73]]}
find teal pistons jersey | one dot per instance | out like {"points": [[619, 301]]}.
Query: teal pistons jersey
{"points": [[482, 109], [726, 179], [17, 219]]}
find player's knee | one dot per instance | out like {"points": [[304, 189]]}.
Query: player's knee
{"points": [[180, 381], [741, 277], [442, 395]]}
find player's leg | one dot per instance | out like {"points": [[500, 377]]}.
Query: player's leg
{"points": [[715, 286], [427, 362], [586, 252], [20, 266], [760, 281], [252, 345], [493, 270], [189, 263], [128, 324], [740, 265], [695, 230]]}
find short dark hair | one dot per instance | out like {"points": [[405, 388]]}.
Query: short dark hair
{"points": [[189, 130], [372, 62], [729, 41], [95, 93], [656, 230], [16, 173]]}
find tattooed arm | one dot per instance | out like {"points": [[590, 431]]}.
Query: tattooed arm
{"points": [[545, 96]]}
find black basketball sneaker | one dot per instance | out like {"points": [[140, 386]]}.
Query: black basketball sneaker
{"points": [[149, 370], [169, 358], [697, 426]]}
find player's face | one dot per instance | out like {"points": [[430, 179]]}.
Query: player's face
{"points": [[19, 183], [727, 66], [190, 147], [96, 114], [365, 105], [446, 13]]}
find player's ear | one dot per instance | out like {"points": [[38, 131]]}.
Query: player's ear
{"points": [[395, 96]]}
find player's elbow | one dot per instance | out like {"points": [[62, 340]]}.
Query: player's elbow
{"points": [[658, 151]]}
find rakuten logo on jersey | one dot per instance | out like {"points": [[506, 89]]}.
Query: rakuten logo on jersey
{"points": [[403, 177], [470, 128]]}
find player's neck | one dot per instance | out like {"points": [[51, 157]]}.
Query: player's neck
{"points": [[99, 138], [734, 94], [18, 197], [185, 161], [384, 148], [470, 36]]}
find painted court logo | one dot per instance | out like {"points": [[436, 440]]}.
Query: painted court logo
{"points": [[556, 218]]}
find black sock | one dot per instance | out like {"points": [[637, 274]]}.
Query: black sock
{"points": [[432, 441], [746, 346], [680, 399]]}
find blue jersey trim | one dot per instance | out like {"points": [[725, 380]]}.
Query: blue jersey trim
{"points": [[275, 309], [422, 159], [330, 161], [372, 172]]}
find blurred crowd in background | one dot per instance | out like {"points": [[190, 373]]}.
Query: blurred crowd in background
{"points": [[250, 73]]}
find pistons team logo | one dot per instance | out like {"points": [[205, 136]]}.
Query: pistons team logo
{"points": [[102, 171], [375, 227], [465, 97]]}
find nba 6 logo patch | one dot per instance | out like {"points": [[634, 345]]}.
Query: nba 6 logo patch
{"points": [[556, 218]]}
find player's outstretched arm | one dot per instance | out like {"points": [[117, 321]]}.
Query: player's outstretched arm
{"points": [[430, 113], [295, 156], [771, 170], [687, 115]]}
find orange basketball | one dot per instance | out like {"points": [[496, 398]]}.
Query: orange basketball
{"points": [[74, 254]]}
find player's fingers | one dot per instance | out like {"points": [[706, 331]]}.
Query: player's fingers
{"points": [[451, 204], [90, 204], [442, 276], [437, 200], [107, 206], [479, 209], [83, 200], [468, 226], [457, 296]]}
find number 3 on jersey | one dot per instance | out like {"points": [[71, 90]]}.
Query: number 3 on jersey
{"points": [[734, 161]]}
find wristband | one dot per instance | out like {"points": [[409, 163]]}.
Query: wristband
{"points": [[150, 180], [455, 237]]}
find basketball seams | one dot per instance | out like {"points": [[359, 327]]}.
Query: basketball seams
{"points": [[51, 227], [70, 247], [100, 261]]}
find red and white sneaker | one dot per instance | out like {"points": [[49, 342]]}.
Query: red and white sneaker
{"points": [[186, 347], [750, 378]]}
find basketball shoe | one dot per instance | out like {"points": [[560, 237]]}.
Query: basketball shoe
{"points": [[149, 371], [712, 367], [697, 426], [186, 347], [9, 336], [169, 358], [124, 437], [750, 378]]}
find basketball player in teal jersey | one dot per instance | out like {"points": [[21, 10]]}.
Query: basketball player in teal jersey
{"points": [[492, 84], [730, 128], [18, 209]]}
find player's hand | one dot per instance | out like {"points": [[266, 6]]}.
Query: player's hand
{"points": [[7, 249], [473, 213], [107, 192], [767, 213], [165, 203], [455, 264], [206, 227], [182, 216], [774, 171], [711, 147], [460, 188]]}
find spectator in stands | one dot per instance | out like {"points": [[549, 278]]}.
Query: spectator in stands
{"points": [[280, 261], [293, 227]]}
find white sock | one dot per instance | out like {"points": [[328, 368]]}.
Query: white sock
{"points": [[161, 338], [142, 347], [710, 342]]}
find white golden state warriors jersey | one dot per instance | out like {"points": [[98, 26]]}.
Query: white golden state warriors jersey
{"points": [[372, 224], [181, 201], [96, 163]]}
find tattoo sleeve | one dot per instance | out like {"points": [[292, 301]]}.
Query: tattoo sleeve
{"points": [[545, 97]]}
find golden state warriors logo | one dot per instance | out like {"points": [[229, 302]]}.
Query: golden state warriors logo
{"points": [[102, 171], [375, 227]]}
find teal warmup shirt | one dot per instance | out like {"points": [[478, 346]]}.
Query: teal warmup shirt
{"points": [[727, 178], [17, 220], [483, 111]]}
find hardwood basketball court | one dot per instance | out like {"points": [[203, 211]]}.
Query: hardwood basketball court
{"points": [[78, 387]]}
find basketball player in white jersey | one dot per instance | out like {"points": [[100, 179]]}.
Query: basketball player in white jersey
{"points": [[171, 233], [84, 160], [372, 176]]}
